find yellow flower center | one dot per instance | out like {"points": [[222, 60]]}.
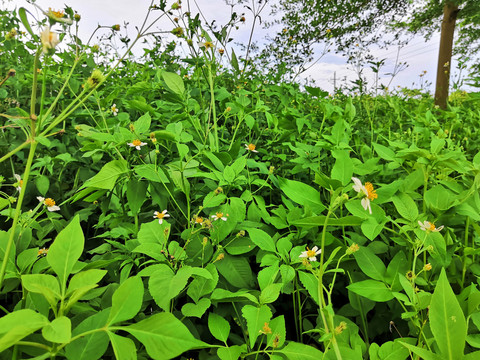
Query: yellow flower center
{"points": [[208, 44], [371, 193], [219, 215], [49, 202], [199, 220], [136, 142], [431, 227], [160, 215], [251, 147], [20, 183], [42, 251], [58, 14], [310, 253]]}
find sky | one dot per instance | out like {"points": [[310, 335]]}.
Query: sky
{"points": [[331, 69]]}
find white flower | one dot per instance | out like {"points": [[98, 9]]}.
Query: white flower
{"points": [[49, 203], [219, 215], [206, 44], [19, 182], [367, 192], [160, 215], [137, 144], [251, 147], [428, 226], [49, 39], [311, 254], [114, 109]]}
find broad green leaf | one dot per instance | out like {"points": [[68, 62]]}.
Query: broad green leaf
{"points": [[371, 228], [297, 351], [447, 320], [136, 191], [174, 82], [370, 264], [229, 174], [219, 327], [196, 310], [384, 152], [302, 194], [391, 350], [343, 168], [108, 175], [43, 184], [261, 239], [236, 270], [123, 347], [58, 331], [66, 250], [440, 198], [267, 276], [142, 125], [153, 232], [279, 332], [320, 221], [422, 352], [221, 295], [19, 324], [92, 346], [201, 286], [309, 282], [405, 206], [44, 284], [126, 300], [86, 278], [270, 293], [151, 172], [231, 352], [371, 289], [256, 318], [164, 336]]}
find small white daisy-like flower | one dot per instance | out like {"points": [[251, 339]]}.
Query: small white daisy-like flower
{"points": [[137, 144], [368, 193], [19, 182], [49, 39], [160, 216], [220, 216], [114, 109], [251, 147], [49, 203], [311, 254], [206, 44], [428, 226]]}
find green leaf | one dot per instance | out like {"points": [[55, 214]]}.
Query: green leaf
{"points": [[219, 327], [108, 175], [174, 82], [302, 194], [126, 300], [124, 348], [231, 352], [439, 198], [23, 16], [371, 289], [384, 152], [221, 295], [343, 168], [66, 250], [164, 336], [309, 282], [19, 324], [370, 264], [86, 278], [153, 232], [229, 174], [151, 172], [447, 320], [136, 191], [236, 270], [279, 331], [196, 310], [261, 239], [91, 346], [58, 331], [422, 352], [142, 125], [42, 183], [371, 228], [44, 284], [256, 318], [234, 61], [201, 286], [405, 206], [297, 351]]}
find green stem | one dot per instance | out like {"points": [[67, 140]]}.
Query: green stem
{"points": [[212, 105], [464, 270], [14, 151]]}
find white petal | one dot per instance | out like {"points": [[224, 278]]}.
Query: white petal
{"points": [[313, 258], [366, 204], [303, 254], [41, 199], [17, 177], [358, 184], [315, 248], [439, 228], [53, 208]]}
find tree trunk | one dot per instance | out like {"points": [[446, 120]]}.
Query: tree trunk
{"points": [[450, 12]]}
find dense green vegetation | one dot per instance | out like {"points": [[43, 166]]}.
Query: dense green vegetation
{"points": [[173, 208]]}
